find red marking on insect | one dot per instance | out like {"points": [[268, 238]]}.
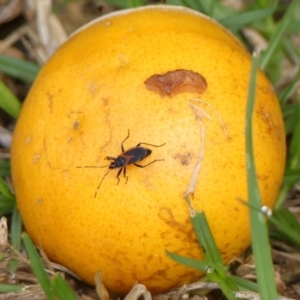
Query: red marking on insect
{"points": [[126, 158]]}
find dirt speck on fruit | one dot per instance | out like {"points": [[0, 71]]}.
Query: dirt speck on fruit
{"points": [[176, 82], [184, 158], [76, 125]]}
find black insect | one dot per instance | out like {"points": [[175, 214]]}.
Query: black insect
{"points": [[129, 157]]}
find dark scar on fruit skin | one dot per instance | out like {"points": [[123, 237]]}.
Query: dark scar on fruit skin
{"points": [[176, 82]]}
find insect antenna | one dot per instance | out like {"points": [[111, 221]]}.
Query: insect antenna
{"points": [[96, 167], [82, 167], [98, 187]]}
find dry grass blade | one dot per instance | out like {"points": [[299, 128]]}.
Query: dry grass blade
{"points": [[51, 33], [255, 296], [3, 234], [31, 292], [10, 9]]}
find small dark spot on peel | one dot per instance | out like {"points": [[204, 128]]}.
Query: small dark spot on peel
{"points": [[50, 101], [176, 82], [184, 158], [149, 258], [76, 125]]}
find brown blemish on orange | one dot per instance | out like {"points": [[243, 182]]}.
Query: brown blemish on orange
{"points": [[176, 82], [76, 125], [50, 101], [185, 158], [167, 216]]}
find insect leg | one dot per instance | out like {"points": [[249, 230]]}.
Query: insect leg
{"points": [[118, 175], [150, 145], [140, 166], [124, 174], [122, 144], [110, 158]]}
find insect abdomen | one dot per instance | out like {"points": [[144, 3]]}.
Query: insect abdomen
{"points": [[136, 154]]}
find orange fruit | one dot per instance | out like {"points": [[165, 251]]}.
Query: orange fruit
{"points": [[79, 110]]}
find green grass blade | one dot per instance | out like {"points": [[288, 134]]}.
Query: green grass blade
{"points": [[227, 286], [8, 102], [240, 19], [291, 177], [227, 290], [7, 200], [204, 6], [293, 161], [290, 115], [212, 8], [212, 264], [118, 3], [18, 68], [287, 225], [259, 233], [294, 151], [291, 49], [11, 288], [212, 255], [293, 26], [7, 205], [278, 34], [4, 168], [62, 289], [135, 3], [15, 234], [38, 267], [206, 240], [290, 89], [244, 284], [5, 190], [264, 3], [190, 262]]}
